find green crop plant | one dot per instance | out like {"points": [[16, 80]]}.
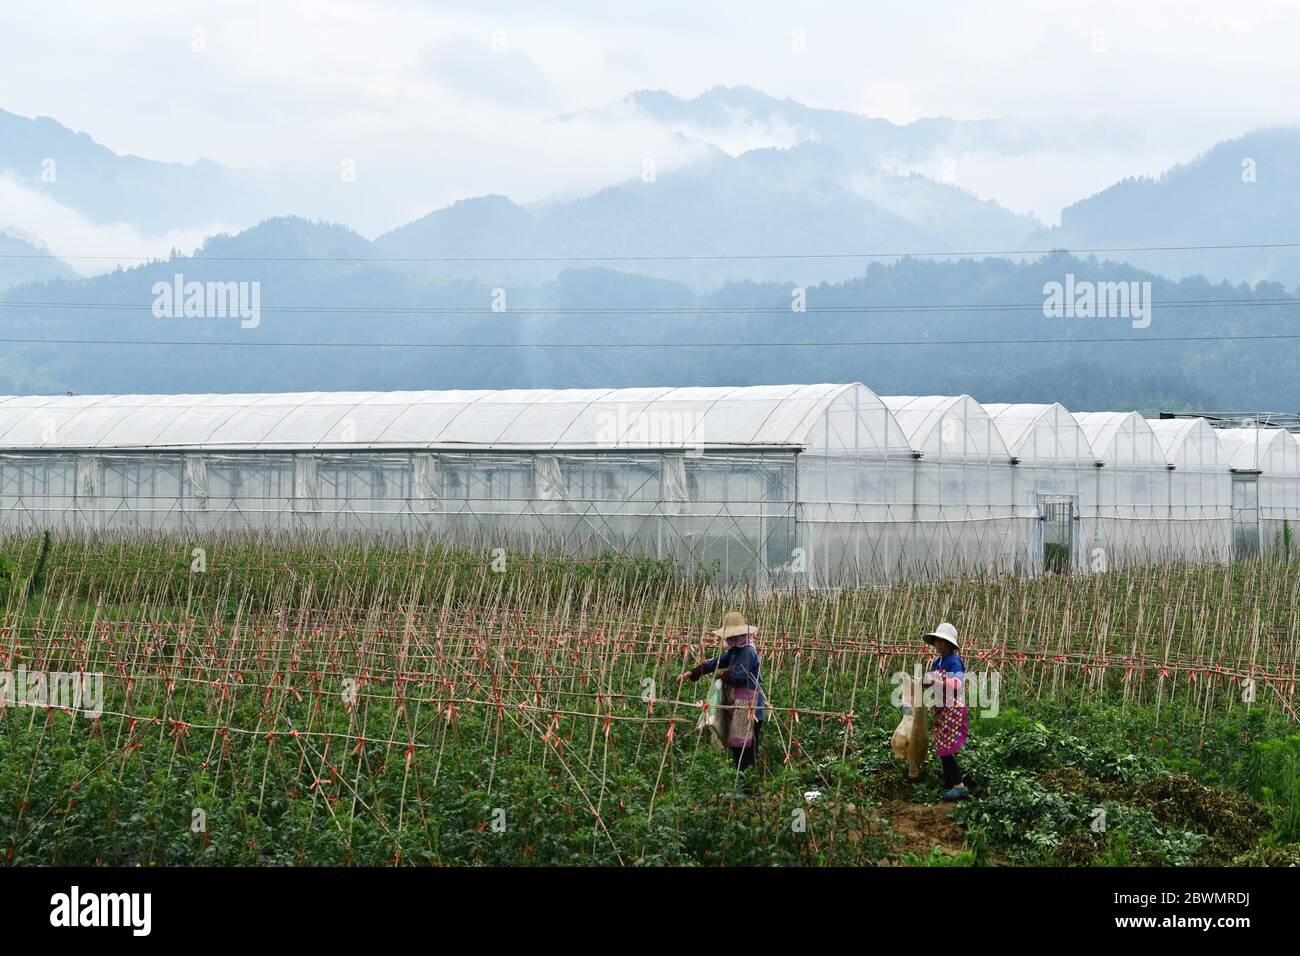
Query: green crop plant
{"points": [[303, 699]]}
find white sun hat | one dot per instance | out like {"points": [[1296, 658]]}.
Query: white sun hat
{"points": [[944, 631]]}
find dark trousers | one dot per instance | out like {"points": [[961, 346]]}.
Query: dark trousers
{"points": [[744, 756], [951, 772]]}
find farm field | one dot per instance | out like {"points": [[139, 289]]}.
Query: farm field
{"points": [[288, 701]]}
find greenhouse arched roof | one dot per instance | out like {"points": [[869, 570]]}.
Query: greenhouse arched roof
{"points": [[1121, 438], [1189, 443], [947, 427], [1272, 451], [783, 416], [1041, 434]]}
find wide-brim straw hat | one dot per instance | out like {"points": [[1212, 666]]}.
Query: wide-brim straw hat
{"points": [[944, 632], [734, 624]]}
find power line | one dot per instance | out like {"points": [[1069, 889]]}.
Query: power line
{"points": [[719, 257], [663, 310], [614, 346]]}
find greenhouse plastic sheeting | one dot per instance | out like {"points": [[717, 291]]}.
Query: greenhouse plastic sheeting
{"points": [[1128, 523], [1265, 465], [525, 418], [778, 484]]}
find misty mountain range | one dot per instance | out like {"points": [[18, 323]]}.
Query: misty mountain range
{"points": [[1244, 192], [23, 261], [808, 200], [742, 114], [834, 183], [830, 184]]}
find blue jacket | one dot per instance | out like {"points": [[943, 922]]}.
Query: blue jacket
{"points": [[739, 667], [949, 664]]}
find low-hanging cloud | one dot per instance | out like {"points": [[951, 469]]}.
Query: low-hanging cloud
{"points": [[66, 232]]}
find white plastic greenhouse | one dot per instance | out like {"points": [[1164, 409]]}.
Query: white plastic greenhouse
{"points": [[799, 484], [1052, 483], [1199, 489], [963, 516], [1129, 523], [1265, 465]]}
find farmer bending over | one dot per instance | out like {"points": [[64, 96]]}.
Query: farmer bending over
{"points": [[742, 687]]}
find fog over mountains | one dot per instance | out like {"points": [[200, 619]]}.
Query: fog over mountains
{"points": [[1244, 191], [736, 118], [705, 251], [808, 200]]}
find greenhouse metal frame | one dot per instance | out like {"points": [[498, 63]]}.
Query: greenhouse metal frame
{"points": [[1129, 522], [808, 485], [1265, 467]]}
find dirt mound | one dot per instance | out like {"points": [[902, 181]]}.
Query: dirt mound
{"points": [[920, 827]]}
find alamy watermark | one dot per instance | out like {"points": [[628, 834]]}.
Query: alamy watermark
{"points": [[180, 299], [1085, 299], [73, 909], [977, 690], [619, 427], [81, 691]]}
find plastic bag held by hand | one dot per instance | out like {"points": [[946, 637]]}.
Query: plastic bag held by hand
{"points": [[714, 718], [911, 740]]}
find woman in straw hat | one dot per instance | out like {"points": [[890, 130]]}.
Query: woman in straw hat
{"points": [[742, 686], [951, 719]]}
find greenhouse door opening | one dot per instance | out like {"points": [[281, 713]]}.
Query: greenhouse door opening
{"points": [[1057, 513], [1245, 515]]}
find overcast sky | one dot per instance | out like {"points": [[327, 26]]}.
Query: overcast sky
{"points": [[417, 89]]}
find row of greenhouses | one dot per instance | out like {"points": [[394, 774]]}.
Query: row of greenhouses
{"points": [[777, 484]]}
